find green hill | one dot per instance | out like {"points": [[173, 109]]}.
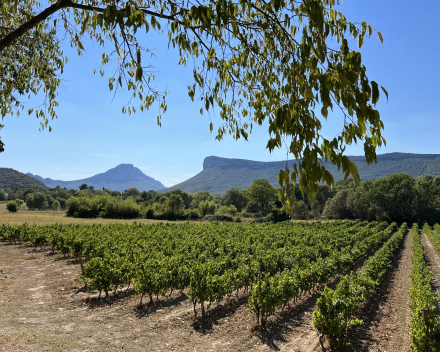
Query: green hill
{"points": [[220, 174], [10, 178]]}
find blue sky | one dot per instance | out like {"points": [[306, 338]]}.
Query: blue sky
{"points": [[92, 135]]}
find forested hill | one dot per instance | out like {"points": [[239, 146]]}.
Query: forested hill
{"points": [[120, 178], [220, 174], [10, 178]]}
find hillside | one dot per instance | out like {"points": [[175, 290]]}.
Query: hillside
{"points": [[120, 178], [10, 178], [220, 174]]}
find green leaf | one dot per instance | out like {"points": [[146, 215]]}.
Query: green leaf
{"points": [[385, 91], [375, 89]]}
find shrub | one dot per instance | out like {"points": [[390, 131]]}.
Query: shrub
{"points": [[277, 214], [191, 214], [207, 207], [237, 219], [218, 217], [19, 202], [149, 214], [55, 205], [12, 207]]}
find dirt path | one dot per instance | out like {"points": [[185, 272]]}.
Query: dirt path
{"points": [[42, 308], [433, 260], [386, 314]]}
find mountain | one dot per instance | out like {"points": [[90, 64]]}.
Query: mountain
{"points": [[220, 174], [120, 178], [10, 178]]}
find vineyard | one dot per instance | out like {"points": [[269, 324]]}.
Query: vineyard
{"points": [[269, 268]]}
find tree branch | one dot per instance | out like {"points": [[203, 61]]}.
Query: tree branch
{"points": [[34, 21]]}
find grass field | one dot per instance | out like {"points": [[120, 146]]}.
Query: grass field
{"points": [[51, 217]]}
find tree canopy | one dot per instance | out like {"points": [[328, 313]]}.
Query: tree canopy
{"points": [[287, 62]]}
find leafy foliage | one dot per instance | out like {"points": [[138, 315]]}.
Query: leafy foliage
{"points": [[262, 193], [253, 61], [12, 207], [425, 324]]}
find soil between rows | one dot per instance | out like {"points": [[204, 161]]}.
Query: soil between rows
{"points": [[386, 314]]}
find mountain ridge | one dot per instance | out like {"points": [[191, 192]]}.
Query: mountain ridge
{"points": [[219, 174], [119, 178]]}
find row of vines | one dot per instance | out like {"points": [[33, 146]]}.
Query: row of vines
{"points": [[275, 263]]}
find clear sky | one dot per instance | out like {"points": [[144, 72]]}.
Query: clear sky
{"points": [[92, 135]]}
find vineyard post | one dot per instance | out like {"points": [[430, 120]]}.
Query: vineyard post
{"points": [[200, 288]]}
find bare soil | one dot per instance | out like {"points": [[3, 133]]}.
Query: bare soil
{"points": [[386, 314]]}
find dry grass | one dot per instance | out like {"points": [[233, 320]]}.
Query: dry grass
{"points": [[51, 217]]}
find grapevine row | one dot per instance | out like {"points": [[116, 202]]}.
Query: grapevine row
{"points": [[334, 311], [425, 324]]}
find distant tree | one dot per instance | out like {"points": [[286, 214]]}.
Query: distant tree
{"points": [[234, 196], [427, 199], [162, 200], [56, 205], [390, 198], [134, 192], [263, 193], [300, 210], [63, 203], [207, 207], [12, 207], [203, 195], [174, 205], [12, 196], [40, 201], [2, 195], [83, 187], [316, 210], [62, 193], [186, 196], [30, 200], [146, 196], [338, 207]]}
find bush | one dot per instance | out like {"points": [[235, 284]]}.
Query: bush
{"points": [[231, 210], [207, 207], [237, 219], [149, 214], [277, 214], [55, 205], [247, 215], [218, 217], [19, 202], [12, 207], [191, 214]]}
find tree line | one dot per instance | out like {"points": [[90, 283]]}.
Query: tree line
{"points": [[396, 198]]}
